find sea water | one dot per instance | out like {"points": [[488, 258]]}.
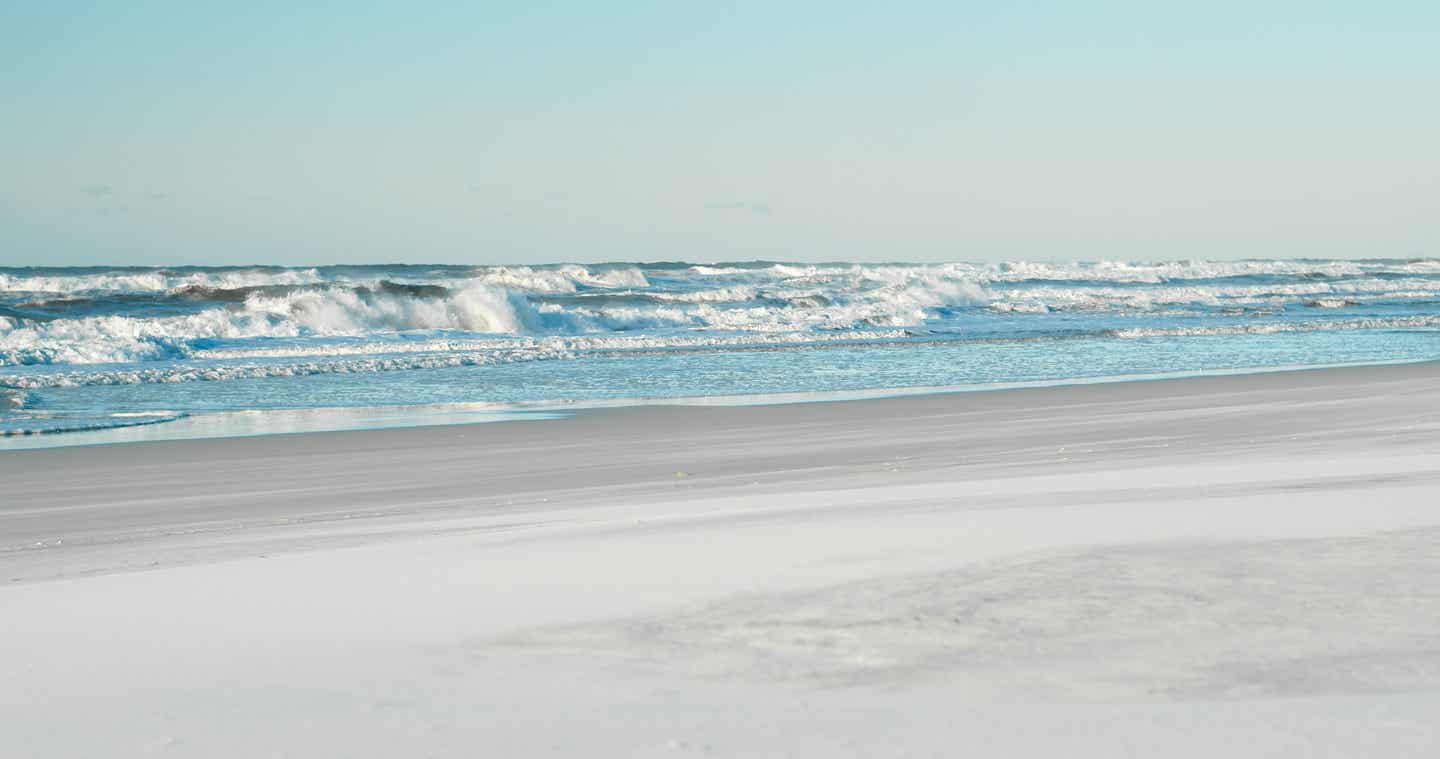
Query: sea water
{"points": [[90, 352]]}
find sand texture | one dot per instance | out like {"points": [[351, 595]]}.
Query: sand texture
{"points": [[1227, 566]]}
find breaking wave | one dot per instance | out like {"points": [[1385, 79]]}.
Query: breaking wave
{"points": [[96, 348], [179, 325], [187, 318]]}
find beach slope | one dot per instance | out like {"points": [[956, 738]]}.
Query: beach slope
{"points": [[1245, 565]]}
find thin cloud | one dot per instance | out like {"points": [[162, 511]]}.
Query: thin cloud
{"points": [[98, 190]]}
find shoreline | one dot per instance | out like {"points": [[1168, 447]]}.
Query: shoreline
{"points": [[302, 421], [647, 451]]}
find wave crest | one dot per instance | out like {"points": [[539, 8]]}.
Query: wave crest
{"points": [[159, 280], [346, 311], [63, 317]]}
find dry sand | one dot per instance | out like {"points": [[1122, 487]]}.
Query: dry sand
{"points": [[1241, 565]]}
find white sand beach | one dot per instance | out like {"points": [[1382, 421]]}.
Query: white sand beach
{"points": [[1225, 566]]}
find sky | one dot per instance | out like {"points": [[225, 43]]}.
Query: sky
{"points": [[528, 132]]}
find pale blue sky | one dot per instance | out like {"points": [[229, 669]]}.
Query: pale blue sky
{"points": [[194, 132]]}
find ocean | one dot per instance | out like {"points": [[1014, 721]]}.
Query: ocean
{"points": [[105, 354]]}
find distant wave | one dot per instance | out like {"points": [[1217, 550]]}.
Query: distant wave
{"points": [[1336, 325], [154, 280]]}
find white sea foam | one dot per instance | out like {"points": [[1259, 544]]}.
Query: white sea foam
{"points": [[1043, 298], [366, 357], [114, 339], [570, 277], [347, 311], [894, 298], [737, 294], [1155, 273], [178, 373], [1269, 328], [718, 271], [156, 281], [320, 307], [371, 357], [1096, 271], [65, 335], [577, 343], [329, 311], [562, 279]]}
